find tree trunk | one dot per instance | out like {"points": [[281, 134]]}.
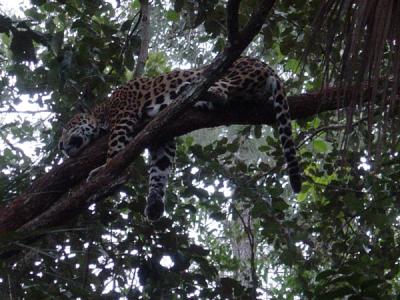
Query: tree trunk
{"points": [[145, 37]]}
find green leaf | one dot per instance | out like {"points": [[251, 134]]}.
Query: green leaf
{"points": [[189, 140], [172, 15], [293, 65], [233, 147], [135, 4], [257, 131], [264, 148], [320, 146], [8, 155]]}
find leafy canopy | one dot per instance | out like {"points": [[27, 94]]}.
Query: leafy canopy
{"points": [[338, 237]]}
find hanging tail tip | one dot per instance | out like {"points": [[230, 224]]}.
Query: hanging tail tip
{"points": [[295, 182]]}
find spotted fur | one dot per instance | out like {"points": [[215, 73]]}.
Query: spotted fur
{"points": [[144, 98]]}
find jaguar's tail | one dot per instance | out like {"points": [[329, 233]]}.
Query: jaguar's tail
{"points": [[281, 109]]}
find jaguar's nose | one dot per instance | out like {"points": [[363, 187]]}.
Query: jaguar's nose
{"points": [[75, 141]]}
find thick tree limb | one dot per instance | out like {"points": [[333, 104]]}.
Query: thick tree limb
{"points": [[30, 211], [145, 35], [232, 20]]}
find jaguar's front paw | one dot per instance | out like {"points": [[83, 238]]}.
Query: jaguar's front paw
{"points": [[219, 95], [94, 172], [204, 105], [155, 206]]}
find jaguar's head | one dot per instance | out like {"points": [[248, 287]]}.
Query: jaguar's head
{"points": [[78, 133]]}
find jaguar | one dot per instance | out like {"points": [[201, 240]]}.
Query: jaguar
{"points": [[143, 98]]}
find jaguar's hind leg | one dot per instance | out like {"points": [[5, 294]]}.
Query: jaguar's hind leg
{"points": [[160, 166]]}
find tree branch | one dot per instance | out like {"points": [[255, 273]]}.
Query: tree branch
{"points": [[232, 20], [255, 23], [145, 34], [49, 189]]}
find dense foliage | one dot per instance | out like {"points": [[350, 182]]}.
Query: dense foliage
{"points": [[230, 211]]}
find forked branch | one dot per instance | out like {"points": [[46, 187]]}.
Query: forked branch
{"points": [[30, 208]]}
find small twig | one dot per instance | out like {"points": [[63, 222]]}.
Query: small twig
{"points": [[10, 289], [15, 148], [132, 31], [86, 274], [250, 237], [32, 112], [320, 131], [132, 280], [37, 250], [331, 127]]}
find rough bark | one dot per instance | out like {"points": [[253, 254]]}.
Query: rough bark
{"points": [[145, 37]]}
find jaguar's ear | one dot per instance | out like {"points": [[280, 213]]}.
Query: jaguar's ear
{"points": [[82, 107], [101, 121], [102, 124]]}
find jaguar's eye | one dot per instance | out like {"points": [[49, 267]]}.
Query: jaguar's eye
{"points": [[76, 141]]}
